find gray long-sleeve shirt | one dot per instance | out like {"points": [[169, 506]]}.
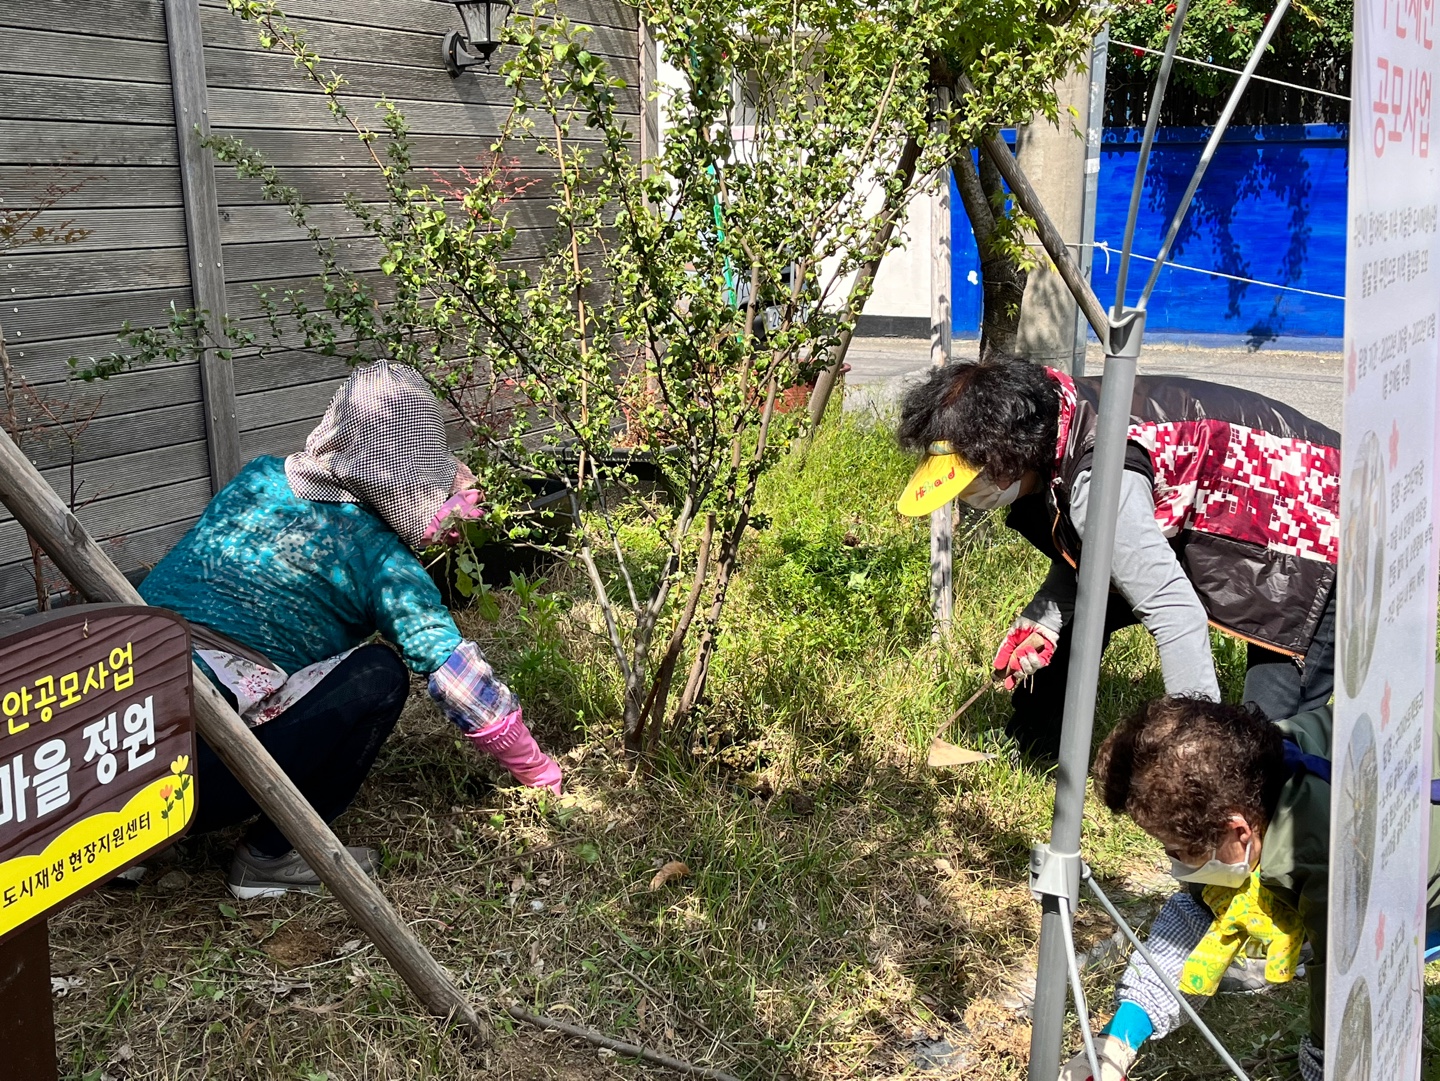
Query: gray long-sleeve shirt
{"points": [[1149, 577]]}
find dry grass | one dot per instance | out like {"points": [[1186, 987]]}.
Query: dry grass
{"points": [[844, 909]]}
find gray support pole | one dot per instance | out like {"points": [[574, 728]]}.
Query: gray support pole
{"points": [[186, 47], [942, 589], [1090, 194], [1112, 429], [1056, 866]]}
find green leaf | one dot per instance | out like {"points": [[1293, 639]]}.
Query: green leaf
{"points": [[464, 583], [228, 910], [588, 852]]}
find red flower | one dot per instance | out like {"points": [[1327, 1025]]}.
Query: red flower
{"points": [[1170, 9], [1138, 52]]}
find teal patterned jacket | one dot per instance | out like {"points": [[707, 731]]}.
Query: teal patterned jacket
{"points": [[299, 580]]}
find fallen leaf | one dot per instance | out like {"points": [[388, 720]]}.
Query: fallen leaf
{"points": [[944, 754], [672, 870]]}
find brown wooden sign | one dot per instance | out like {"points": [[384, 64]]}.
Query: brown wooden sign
{"points": [[97, 750]]}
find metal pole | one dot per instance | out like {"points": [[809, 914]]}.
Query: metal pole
{"points": [[1087, 641], [1210, 147], [1056, 866], [1094, 127], [942, 591]]}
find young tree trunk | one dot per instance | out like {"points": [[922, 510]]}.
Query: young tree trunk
{"points": [[982, 191]]}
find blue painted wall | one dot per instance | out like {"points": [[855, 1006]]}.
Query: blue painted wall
{"points": [[1271, 208]]}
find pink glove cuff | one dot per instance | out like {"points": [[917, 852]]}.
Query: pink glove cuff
{"points": [[510, 743], [461, 507]]}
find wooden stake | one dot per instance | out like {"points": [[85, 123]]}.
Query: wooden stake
{"points": [[74, 551], [27, 1008], [942, 526]]}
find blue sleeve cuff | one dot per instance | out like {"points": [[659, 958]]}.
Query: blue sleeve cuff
{"points": [[1131, 1024]]}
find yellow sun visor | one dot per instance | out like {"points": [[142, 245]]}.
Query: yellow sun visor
{"points": [[942, 476]]}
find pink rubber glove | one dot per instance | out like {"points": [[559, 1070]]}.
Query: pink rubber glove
{"points": [[510, 743], [1028, 647], [447, 526]]}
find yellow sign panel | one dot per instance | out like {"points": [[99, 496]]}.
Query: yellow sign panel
{"points": [[95, 848]]}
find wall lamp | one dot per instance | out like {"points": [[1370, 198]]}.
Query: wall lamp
{"points": [[483, 19]]}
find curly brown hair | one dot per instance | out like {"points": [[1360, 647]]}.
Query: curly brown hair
{"points": [[1180, 767]]}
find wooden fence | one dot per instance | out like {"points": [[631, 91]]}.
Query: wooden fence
{"points": [[89, 98]]}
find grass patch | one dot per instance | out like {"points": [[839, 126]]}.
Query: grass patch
{"points": [[842, 907]]}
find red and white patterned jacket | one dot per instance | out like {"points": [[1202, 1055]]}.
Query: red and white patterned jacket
{"points": [[1246, 489]]}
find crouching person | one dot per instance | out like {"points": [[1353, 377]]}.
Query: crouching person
{"points": [[292, 569], [1242, 806]]}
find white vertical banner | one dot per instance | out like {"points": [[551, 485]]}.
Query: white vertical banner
{"points": [[1385, 647]]}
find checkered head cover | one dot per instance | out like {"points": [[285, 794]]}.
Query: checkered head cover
{"points": [[382, 444]]}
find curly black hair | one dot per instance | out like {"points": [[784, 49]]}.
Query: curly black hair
{"points": [[1001, 415], [1181, 766]]}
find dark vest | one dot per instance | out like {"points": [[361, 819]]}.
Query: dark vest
{"points": [[1246, 488]]}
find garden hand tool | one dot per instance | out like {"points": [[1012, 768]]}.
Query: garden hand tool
{"points": [[944, 754]]}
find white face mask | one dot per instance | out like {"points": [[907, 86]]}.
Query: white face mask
{"points": [[1213, 873], [983, 494]]}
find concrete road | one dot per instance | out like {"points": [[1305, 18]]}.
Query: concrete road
{"points": [[881, 369]]}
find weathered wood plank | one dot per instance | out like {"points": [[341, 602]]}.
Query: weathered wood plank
{"points": [[268, 222], [355, 40], [429, 16], [125, 20], [42, 99], [62, 271], [128, 474], [279, 439], [49, 52], [288, 149], [241, 69], [118, 515], [287, 368], [76, 144], [258, 262], [129, 392], [45, 362], [114, 186], [121, 229], [244, 304], [134, 552], [318, 185], [267, 408], [202, 228], [300, 111], [56, 318], [123, 433]]}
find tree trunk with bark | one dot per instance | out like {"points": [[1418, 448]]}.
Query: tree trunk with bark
{"points": [[982, 192]]}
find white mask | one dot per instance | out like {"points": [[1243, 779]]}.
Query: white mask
{"points": [[1213, 873], [983, 494]]}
